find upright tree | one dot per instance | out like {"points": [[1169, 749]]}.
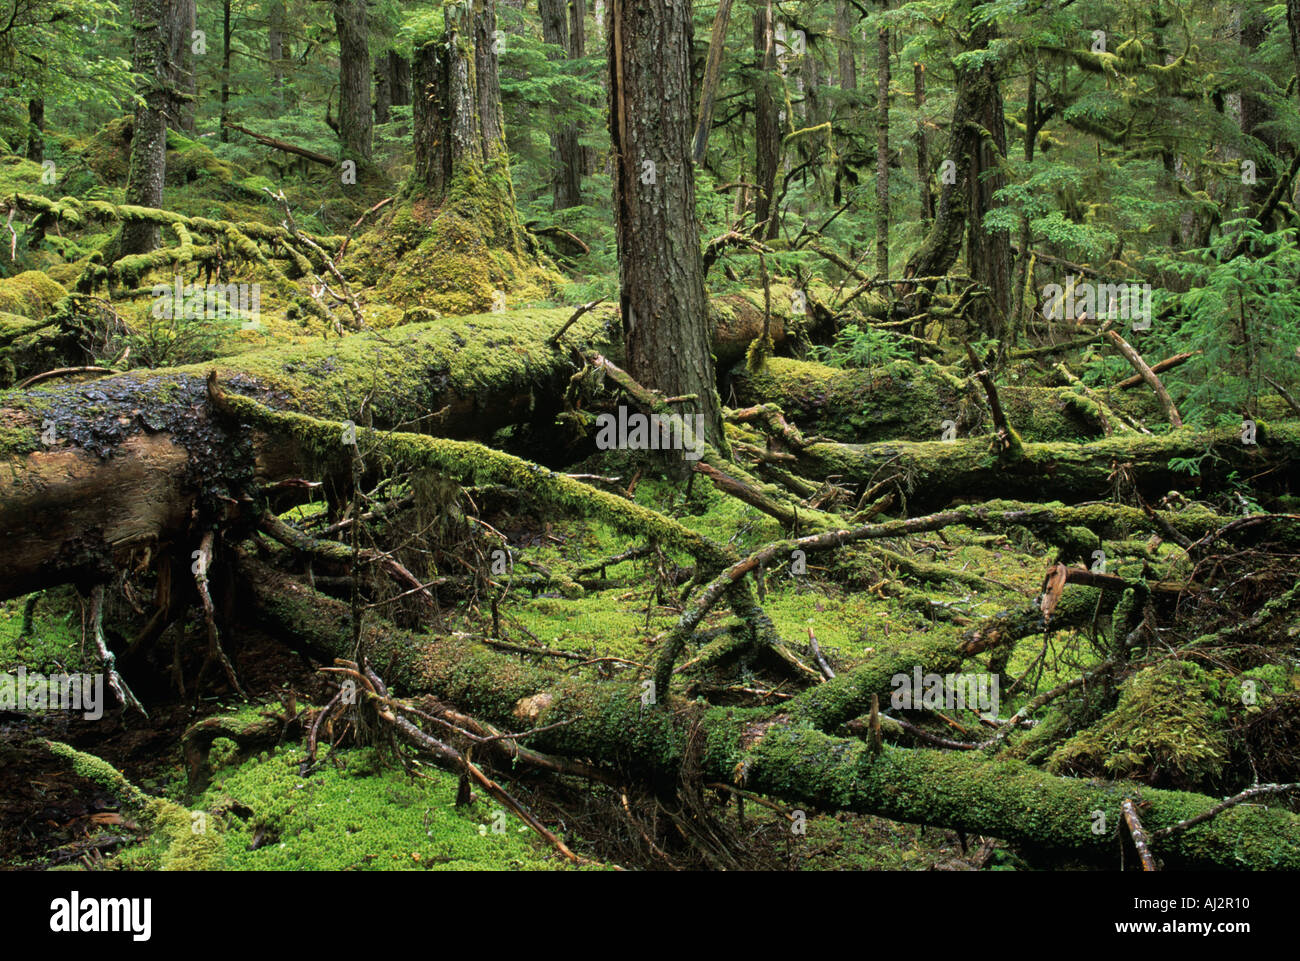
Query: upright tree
{"points": [[178, 29], [566, 157], [355, 122], [144, 183], [661, 272]]}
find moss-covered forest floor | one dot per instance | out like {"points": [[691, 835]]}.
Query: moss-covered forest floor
{"points": [[576, 593]]}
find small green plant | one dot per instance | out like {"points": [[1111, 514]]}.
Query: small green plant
{"points": [[858, 347]]}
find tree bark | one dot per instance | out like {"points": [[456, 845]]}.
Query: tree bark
{"points": [[882, 153], [848, 71], [709, 86], [36, 129], [975, 88], [661, 274], [144, 183], [355, 124], [399, 72], [566, 153], [178, 25], [275, 47], [225, 69], [767, 133], [989, 252]]}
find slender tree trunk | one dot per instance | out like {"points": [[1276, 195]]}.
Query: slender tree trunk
{"points": [[224, 132], [383, 91], [399, 73], [767, 133], [578, 51], [144, 182], [355, 126], [178, 25], [36, 129], [709, 87], [848, 70], [566, 154], [661, 274], [922, 145], [275, 48], [1257, 116], [882, 153]]}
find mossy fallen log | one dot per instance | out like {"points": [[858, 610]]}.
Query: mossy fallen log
{"points": [[94, 471], [935, 473], [904, 400], [769, 751]]}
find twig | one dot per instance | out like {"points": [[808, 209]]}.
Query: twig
{"points": [[209, 611], [1145, 372], [1222, 806], [817, 656], [106, 656], [555, 337], [1139, 835], [61, 372]]}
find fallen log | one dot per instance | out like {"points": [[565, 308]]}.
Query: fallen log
{"points": [[937, 472], [773, 752], [284, 145], [906, 401]]}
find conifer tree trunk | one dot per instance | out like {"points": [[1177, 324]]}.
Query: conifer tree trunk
{"points": [[355, 125], [566, 154], [144, 183], [178, 26], [661, 273], [767, 133]]}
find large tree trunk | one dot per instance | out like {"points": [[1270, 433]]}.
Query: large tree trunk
{"points": [[989, 252], [178, 25], [975, 89], [144, 182], [661, 273], [355, 123], [566, 157], [66, 511], [457, 113]]}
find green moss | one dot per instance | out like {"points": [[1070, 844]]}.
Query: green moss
{"points": [[1162, 730], [31, 294], [453, 256], [355, 813]]}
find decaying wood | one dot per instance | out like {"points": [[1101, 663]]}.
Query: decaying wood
{"points": [[1145, 372]]}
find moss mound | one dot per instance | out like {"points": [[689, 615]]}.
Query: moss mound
{"points": [[30, 294], [467, 254]]}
